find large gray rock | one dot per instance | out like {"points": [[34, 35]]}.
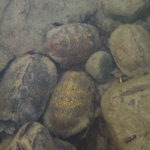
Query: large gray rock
{"points": [[99, 66], [126, 109], [130, 48], [25, 90], [32, 136], [24, 23], [72, 44], [126, 10], [73, 106]]}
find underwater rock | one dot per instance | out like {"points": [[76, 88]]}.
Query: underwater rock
{"points": [[72, 44], [25, 90], [24, 23], [73, 105], [130, 48], [99, 66], [126, 10], [32, 136], [105, 23], [125, 108]]}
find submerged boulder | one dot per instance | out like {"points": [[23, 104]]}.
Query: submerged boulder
{"points": [[72, 44], [25, 90], [99, 66], [32, 136], [126, 109], [130, 48], [73, 106], [126, 10]]}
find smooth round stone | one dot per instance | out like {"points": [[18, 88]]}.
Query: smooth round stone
{"points": [[72, 44], [73, 106], [99, 66], [130, 48]]}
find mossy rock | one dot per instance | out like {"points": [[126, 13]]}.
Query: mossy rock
{"points": [[73, 105], [130, 48], [72, 44], [25, 90], [126, 109]]}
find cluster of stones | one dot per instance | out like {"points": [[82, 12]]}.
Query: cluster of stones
{"points": [[58, 74]]}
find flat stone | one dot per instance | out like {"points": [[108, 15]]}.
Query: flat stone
{"points": [[125, 108]]}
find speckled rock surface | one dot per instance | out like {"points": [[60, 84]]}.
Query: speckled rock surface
{"points": [[130, 48], [125, 108], [72, 44], [73, 105], [99, 66], [25, 90], [32, 136]]}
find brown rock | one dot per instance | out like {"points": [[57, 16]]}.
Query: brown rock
{"points": [[72, 44], [73, 105]]}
